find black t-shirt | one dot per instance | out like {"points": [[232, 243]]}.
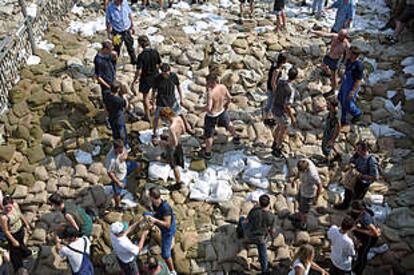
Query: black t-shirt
{"points": [[105, 67], [166, 89], [114, 105], [147, 61], [259, 223], [357, 69]]}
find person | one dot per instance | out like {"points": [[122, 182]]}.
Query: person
{"points": [[344, 15], [119, 167], [125, 251], [365, 231], [155, 267], [77, 251], [218, 99], [251, 4], [406, 16], [303, 261], [317, 6], [273, 77], [260, 222], [283, 99], [309, 189], [339, 48], [174, 149], [397, 8], [74, 215], [163, 96], [13, 224], [364, 170], [148, 63], [120, 27], [115, 105], [105, 71], [331, 130], [279, 11], [4, 253], [164, 218], [342, 248], [350, 86]]}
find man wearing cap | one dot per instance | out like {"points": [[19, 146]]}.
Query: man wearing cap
{"points": [[164, 218], [125, 251], [148, 63], [120, 26], [351, 83]]}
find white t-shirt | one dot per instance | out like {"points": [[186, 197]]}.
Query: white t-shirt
{"points": [[114, 164], [124, 249], [297, 263], [75, 258], [342, 249], [309, 181]]}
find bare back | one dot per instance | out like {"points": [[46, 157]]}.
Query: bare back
{"points": [[177, 128], [338, 47], [218, 98]]}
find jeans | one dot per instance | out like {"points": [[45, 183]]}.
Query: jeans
{"points": [[348, 106], [119, 130], [317, 6], [129, 43], [367, 241]]}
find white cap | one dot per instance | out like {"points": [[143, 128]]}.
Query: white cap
{"points": [[117, 227]]}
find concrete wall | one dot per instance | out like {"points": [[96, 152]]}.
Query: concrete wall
{"points": [[15, 48]]}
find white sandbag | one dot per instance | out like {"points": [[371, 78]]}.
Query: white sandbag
{"points": [[209, 175], [382, 130], [409, 83], [258, 182], [409, 93], [408, 61], [83, 157], [409, 70], [33, 60], [145, 137], [220, 192], [337, 189], [200, 190], [380, 76], [158, 170], [255, 195]]}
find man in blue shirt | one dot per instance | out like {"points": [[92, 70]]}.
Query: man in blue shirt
{"points": [[344, 15], [105, 68], [164, 218], [120, 26], [351, 83]]}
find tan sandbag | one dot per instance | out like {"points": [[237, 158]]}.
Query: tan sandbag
{"points": [[198, 165], [350, 179]]}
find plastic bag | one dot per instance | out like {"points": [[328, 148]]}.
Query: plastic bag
{"points": [[158, 170]]}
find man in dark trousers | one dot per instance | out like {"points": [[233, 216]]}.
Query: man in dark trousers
{"points": [[105, 71], [120, 26], [148, 63]]}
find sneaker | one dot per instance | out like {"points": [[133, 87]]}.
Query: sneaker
{"points": [[175, 187]]}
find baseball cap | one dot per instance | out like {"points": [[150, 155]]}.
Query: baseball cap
{"points": [[118, 227]]}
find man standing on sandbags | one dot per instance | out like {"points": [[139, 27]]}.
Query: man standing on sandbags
{"points": [[120, 27]]}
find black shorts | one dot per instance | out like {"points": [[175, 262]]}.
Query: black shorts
{"points": [[222, 120], [331, 63], [305, 204], [146, 83], [244, 1], [279, 6], [407, 14], [176, 156]]}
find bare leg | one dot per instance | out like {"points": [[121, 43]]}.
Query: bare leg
{"points": [[117, 199], [147, 106], [155, 122], [188, 127], [161, 4], [278, 22], [283, 20], [251, 8], [170, 264], [333, 80], [209, 144], [398, 29], [241, 10], [281, 135], [177, 174]]}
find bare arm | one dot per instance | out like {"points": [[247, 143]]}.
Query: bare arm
{"points": [[355, 88], [180, 92], [131, 17], [299, 271], [142, 240], [209, 107], [173, 138], [58, 244], [335, 134], [275, 76], [324, 34], [103, 82], [137, 76], [316, 267], [72, 221], [166, 222]]}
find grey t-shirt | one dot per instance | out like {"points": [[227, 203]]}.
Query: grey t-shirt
{"points": [[309, 180], [367, 165], [284, 96], [258, 225]]}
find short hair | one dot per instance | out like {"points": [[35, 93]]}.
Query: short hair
{"points": [[152, 262], [165, 67], [143, 41], [264, 200], [282, 58], [116, 87], [107, 44], [166, 112], [7, 200], [355, 50], [302, 165], [363, 144], [293, 73], [155, 193], [70, 232], [212, 77], [347, 223], [118, 143], [55, 199], [358, 205]]}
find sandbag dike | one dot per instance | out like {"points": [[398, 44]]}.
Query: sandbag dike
{"points": [[57, 137]]}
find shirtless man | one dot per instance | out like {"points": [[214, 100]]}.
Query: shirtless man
{"points": [[339, 48], [218, 99], [174, 149]]}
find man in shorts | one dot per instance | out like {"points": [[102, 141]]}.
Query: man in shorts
{"points": [[405, 17], [279, 11], [175, 152], [309, 189], [218, 99], [163, 96], [251, 3], [283, 99], [339, 49], [148, 62]]}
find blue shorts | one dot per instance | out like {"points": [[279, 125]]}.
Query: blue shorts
{"points": [[131, 166], [166, 244], [331, 63]]}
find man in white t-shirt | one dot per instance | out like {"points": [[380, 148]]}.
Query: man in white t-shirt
{"points": [[125, 251], [77, 251], [119, 167], [309, 189], [342, 248]]}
